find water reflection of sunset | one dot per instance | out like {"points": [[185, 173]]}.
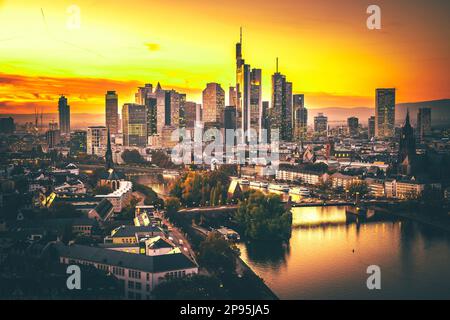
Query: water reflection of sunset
{"points": [[315, 216], [330, 259]]}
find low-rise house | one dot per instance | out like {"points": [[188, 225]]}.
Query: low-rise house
{"points": [[81, 202], [157, 246], [102, 212], [71, 186], [153, 246], [132, 234], [138, 274], [121, 196], [144, 216], [69, 169], [304, 176], [447, 194], [376, 187], [35, 229], [407, 189], [339, 180]]}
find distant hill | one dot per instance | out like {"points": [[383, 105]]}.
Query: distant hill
{"points": [[78, 120], [440, 112], [440, 115], [338, 115]]}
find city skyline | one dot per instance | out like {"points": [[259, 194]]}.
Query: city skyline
{"points": [[333, 72]]}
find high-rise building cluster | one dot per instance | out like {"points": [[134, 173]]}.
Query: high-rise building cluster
{"points": [[287, 114], [156, 112]]}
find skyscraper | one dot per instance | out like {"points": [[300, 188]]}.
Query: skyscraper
{"points": [[288, 114], [265, 118], [371, 127], [232, 97], [255, 101], [168, 106], [229, 123], [7, 125], [146, 97], [213, 105], [320, 123], [240, 62], [353, 124], [190, 114], [143, 93], [300, 117], [134, 125], [150, 103], [64, 115], [96, 140], [385, 113], [244, 76], [53, 138], [424, 123], [78, 142], [111, 111], [281, 111]]}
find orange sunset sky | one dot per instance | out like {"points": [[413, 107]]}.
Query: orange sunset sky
{"points": [[324, 48]]}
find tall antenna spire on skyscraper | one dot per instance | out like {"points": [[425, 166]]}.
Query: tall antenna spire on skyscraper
{"points": [[277, 64], [240, 37]]}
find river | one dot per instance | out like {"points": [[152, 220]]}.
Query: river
{"points": [[328, 255]]}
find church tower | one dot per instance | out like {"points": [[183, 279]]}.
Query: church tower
{"points": [[109, 163], [407, 148]]}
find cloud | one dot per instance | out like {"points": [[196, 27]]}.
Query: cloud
{"points": [[327, 99], [21, 94], [152, 46]]}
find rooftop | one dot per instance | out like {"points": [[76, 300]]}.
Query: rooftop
{"points": [[130, 231], [151, 264]]}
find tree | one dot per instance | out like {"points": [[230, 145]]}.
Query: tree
{"points": [[96, 175], [316, 167], [21, 184], [172, 206], [127, 213], [358, 188], [151, 197], [432, 200], [102, 190], [324, 185], [162, 160], [199, 187], [64, 210], [132, 157], [264, 217], [216, 255]]}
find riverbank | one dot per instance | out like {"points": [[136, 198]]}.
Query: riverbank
{"points": [[254, 283], [260, 285], [327, 257], [436, 222]]}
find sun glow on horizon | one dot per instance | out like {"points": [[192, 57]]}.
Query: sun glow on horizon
{"points": [[324, 49]]}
